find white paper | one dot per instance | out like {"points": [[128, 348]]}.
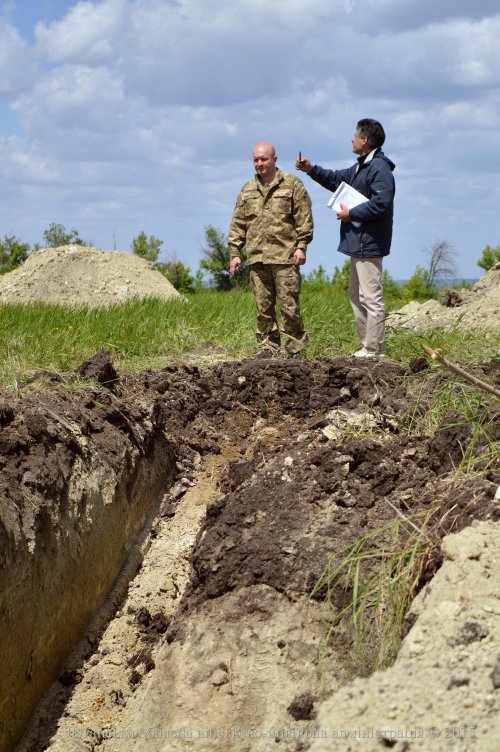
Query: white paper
{"points": [[346, 194]]}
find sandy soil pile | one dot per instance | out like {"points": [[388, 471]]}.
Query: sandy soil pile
{"points": [[478, 308], [74, 275]]}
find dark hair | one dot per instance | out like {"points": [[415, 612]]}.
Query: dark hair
{"points": [[372, 131]]}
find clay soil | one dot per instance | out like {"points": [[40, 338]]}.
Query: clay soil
{"points": [[279, 465]]}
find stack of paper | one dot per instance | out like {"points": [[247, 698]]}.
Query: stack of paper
{"points": [[346, 194]]}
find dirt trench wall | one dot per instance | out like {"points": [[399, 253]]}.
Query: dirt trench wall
{"points": [[60, 554]]}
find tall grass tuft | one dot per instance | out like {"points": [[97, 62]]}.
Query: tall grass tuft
{"points": [[441, 402], [380, 572]]}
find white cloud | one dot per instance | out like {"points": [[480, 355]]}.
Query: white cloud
{"points": [[141, 114], [72, 96], [87, 34], [477, 53], [17, 63], [400, 15]]}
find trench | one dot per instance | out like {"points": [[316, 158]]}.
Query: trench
{"points": [[102, 694], [165, 600], [124, 636]]}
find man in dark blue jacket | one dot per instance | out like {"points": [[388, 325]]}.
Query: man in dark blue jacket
{"points": [[365, 229]]}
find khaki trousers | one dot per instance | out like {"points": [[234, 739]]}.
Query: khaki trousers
{"points": [[280, 283], [367, 300]]}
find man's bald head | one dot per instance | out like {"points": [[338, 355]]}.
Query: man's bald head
{"points": [[264, 160], [264, 147]]}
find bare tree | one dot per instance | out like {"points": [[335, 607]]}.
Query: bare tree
{"points": [[441, 262]]}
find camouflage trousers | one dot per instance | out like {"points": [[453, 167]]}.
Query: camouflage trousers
{"points": [[280, 283]]}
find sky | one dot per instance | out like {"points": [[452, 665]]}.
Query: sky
{"points": [[122, 116]]}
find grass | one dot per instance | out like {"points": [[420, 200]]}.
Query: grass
{"points": [[143, 333], [454, 403], [381, 572], [139, 333]]}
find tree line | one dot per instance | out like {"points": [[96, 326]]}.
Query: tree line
{"points": [[422, 285]]}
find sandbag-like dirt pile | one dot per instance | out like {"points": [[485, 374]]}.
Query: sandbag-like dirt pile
{"points": [[76, 275], [478, 308], [269, 467]]}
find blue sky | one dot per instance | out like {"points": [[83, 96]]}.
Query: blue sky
{"points": [[24, 15], [127, 115]]}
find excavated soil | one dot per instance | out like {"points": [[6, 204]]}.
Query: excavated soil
{"points": [[209, 638], [477, 308], [161, 534]]}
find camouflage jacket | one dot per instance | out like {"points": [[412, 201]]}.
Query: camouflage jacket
{"points": [[271, 221]]}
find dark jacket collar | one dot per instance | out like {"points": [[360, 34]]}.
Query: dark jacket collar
{"points": [[375, 154]]}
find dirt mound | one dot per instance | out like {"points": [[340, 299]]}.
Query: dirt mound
{"points": [[76, 275], [472, 309]]}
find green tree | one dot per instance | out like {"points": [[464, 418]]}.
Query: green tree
{"points": [[341, 276], [13, 253], [178, 275], [57, 235], [147, 248], [318, 277], [418, 287], [489, 258], [217, 258]]}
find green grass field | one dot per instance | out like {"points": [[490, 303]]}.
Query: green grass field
{"points": [[144, 333]]}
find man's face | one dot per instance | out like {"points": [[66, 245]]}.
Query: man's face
{"points": [[264, 162], [359, 144]]}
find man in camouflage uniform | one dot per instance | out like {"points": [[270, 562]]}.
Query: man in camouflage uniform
{"points": [[273, 219]]}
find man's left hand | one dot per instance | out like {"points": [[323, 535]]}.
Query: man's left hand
{"points": [[299, 257], [343, 214]]}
